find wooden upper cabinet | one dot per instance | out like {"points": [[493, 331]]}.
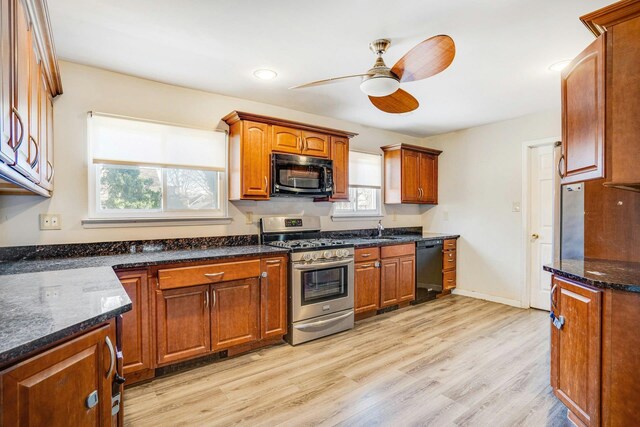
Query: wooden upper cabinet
{"points": [[576, 349], [583, 115], [183, 325], [340, 157], [7, 154], [235, 310], [410, 174], [252, 140], [273, 298], [315, 144], [367, 286], [51, 389], [136, 330]]}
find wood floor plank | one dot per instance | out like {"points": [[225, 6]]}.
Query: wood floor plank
{"points": [[452, 362]]}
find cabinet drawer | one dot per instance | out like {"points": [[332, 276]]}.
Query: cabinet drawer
{"points": [[449, 244], [398, 250], [449, 260], [367, 254], [449, 279], [211, 273]]}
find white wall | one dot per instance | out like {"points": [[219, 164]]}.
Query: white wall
{"points": [[480, 177], [87, 88]]}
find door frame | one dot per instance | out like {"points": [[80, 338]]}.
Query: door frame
{"points": [[525, 211]]}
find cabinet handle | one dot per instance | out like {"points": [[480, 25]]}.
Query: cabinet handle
{"points": [[365, 255], [377, 264], [206, 299], [213, 292], [306, 145], [37, 157], [19, 143], [53, 171], [450, 281], [366, 266], [299, 141], [266, 183], [552, 295], [559, 168], [112, 356], [214, 275], [451, 260], [273, 261]]}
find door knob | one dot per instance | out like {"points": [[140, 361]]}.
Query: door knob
{"points": [[535, 236]]}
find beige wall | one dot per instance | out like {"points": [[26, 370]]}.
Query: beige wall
{"points": [[87, 88], [480, 177]]}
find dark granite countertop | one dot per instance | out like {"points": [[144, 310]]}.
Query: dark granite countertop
{"points": [[618, 275], [360, 242], [37, 309], [137, 260]]}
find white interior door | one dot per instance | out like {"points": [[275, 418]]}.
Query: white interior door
{"points": [[540, 224]]}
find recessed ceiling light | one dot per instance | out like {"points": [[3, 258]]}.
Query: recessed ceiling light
{"points": [[265, 74], [559, 66]]}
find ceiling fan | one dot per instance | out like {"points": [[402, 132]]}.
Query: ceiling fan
{"points": [[382, 84]]}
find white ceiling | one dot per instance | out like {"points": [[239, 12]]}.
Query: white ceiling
{"points": [[500, 71]]}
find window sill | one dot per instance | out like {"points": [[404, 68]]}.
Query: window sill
{"points": [[152, 222], [369, 217]]}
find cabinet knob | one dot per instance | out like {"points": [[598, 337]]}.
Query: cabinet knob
{"points": [[92, 399], [264, 274]]}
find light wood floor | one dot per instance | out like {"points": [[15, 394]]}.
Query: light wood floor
{"points": [[456, 361]]}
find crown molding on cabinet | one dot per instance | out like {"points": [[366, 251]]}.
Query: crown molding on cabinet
{"points": [[598, 21]]}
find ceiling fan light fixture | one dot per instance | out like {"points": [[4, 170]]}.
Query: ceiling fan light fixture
{"points": [[379, 86]]}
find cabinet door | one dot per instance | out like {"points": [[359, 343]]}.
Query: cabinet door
{"points": [[367, 286], [235, 308], [6, 143], [273, 298], [22, 61], [255, 165], [575, 349], [286, 140], [136, 343], [407, 279], [389, 276], [46, 136], [583, 115], [315, 144], [183, 323], [428, 178], [410, 179], [51, 389], [340, 157]]}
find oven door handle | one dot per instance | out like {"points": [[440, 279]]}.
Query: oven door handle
{"points": [[315, 266], [323, 322]]}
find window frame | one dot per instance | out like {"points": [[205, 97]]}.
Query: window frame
{"points": [[96, 214], [355, 213]]}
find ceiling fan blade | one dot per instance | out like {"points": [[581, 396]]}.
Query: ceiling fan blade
{"points": [[327, 81], [426, 59], [398, 102]]}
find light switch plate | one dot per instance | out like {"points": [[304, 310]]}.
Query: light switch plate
{"points": [[516, 207], [50, 222]]}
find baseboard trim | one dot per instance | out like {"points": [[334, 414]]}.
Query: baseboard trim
{"points": [[487, 297]]}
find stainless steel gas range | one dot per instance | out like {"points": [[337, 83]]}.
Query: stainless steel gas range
{"points": [[321, 277]]}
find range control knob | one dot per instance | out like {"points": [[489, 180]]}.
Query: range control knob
{"points": [[314, 256], [306, 257], [328, 254], [340, 253]]}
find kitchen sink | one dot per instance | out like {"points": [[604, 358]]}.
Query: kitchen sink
{"points": [[380, 238]]}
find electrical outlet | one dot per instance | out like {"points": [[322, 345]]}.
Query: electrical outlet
{"points": [[49, 292], [515, 207], [249, 217], [50, 222]]}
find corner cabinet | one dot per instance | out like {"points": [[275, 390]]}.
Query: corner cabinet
{"points": [[253, 138], [410, 174], [30, 81]]}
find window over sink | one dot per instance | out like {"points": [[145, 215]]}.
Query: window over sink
{"points": [[365, 182], [145, 169]]}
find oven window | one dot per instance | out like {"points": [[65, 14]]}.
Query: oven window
{"points": [[323, 285], [297, 176]]}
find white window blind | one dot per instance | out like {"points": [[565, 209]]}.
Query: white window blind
{"points": [[365, 170], [124, 141]]}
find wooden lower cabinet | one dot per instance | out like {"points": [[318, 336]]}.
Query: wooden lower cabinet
{"points": [[449, 261], [235, 310], [136, 328], [53, 388], [407, 278], [273, 297], [397, 280], [367, 286], [183, 325], [576, 349]]}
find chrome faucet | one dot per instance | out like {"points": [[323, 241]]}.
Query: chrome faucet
{"points": [[380, 228]]}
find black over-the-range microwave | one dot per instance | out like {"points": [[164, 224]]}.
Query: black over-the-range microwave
{"points": [[301, 176]]}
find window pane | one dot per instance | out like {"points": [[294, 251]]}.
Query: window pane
{"points": [[130, 188], [366, 199], [189, 189], [349, 206]]}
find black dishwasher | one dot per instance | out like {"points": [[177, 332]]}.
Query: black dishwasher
{"points": [[428, 270]]}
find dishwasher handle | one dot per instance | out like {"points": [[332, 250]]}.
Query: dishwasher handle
{"points": [[429, 244]]}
